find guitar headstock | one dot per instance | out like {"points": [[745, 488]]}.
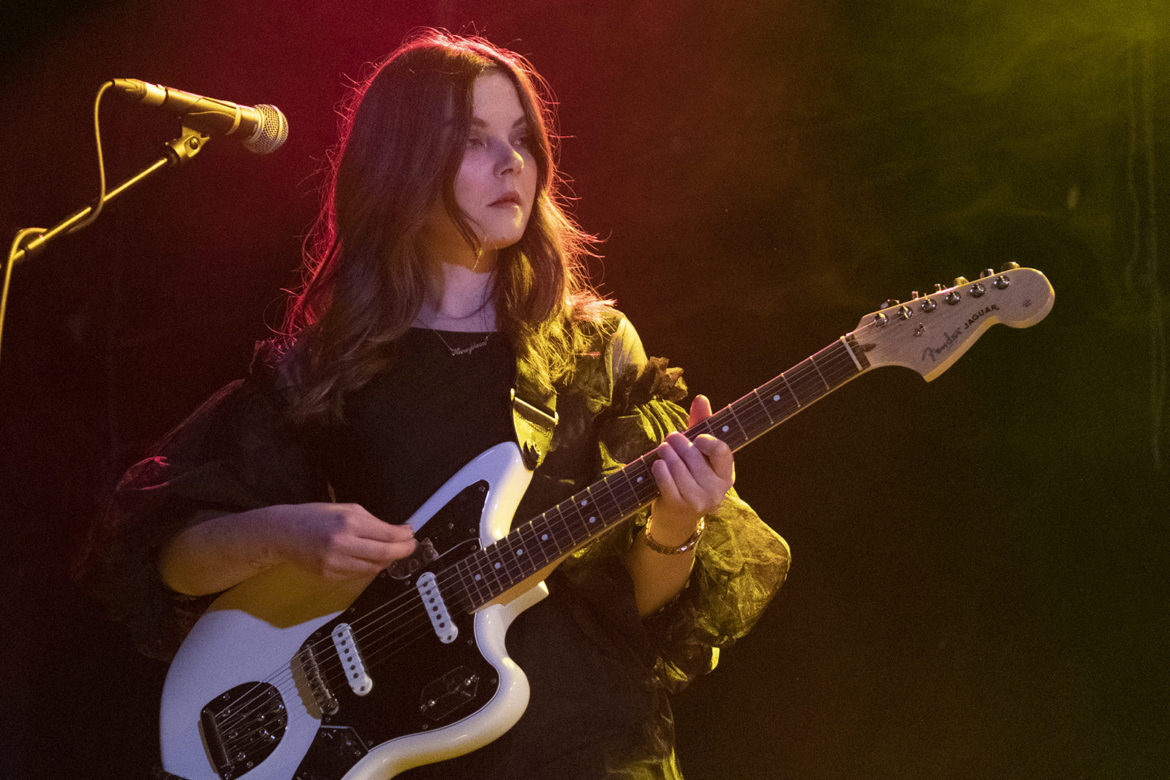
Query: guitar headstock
{"points": [[931, 332]]}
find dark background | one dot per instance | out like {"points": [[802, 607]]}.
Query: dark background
{"points": [[978, 587]]}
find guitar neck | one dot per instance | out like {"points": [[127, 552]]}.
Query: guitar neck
{"points": [[488, 573]]}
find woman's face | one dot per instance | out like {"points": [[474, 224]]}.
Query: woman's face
{"points": [[496, 182]]}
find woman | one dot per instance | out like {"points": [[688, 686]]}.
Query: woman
{"points": [[444, 273]]}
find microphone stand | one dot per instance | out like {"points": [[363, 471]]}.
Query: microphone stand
{"points": [[178, 151]]}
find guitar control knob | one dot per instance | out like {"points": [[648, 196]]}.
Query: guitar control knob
{"points": [[977, 290], [1009, 267]]}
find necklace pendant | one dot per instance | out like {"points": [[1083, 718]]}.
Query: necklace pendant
{"points": [[457, 351], [468, 349]]}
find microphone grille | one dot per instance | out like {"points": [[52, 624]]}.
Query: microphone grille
{"points": [[270, 133]]}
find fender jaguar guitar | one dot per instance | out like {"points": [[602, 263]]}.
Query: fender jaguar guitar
{"points": [[282, 678]]}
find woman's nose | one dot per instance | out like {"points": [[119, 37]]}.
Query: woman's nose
{"points": [[509, 160]]}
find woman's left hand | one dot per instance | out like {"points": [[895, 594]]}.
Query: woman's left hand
{"points": [[693, 478]]}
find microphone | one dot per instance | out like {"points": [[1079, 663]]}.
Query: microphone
{"points": [[261, 129]]}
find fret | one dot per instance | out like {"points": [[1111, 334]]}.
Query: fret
{"points": [[457, 587], [743, 434], [764, 405], [548, 541], [606, 502], [791, 392], [590, 517], [564, 532], [514, 560], [620, 488], [780, 399], [559, 533], [812, 361], [472, 575], [525, 550], [573, 522], [496, 569], [806, 383], [640, 481]]}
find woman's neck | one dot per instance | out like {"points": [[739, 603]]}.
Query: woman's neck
{"points": [[462, 300]]}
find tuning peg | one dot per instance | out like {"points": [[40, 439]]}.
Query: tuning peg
{"points": [[960, 281], [938, 287], [986, 272], [1009, 267], [890, 302]]}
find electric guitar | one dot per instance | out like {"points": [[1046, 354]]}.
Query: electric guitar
{"points": [[282, 678]]}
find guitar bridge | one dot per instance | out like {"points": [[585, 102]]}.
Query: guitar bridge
{"points": [[311, 677]]}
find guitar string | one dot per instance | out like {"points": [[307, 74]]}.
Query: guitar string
{"points": [[751, 416], [404, 637], [408, 632], [800, 374]]}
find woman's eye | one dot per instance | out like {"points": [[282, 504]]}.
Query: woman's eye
{"points": [[523, 141], [475, 141]]}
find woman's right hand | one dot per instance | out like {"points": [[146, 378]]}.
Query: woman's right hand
{"points": [[332, 541], [339, 541]]}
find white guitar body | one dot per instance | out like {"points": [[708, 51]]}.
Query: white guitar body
{"points": [[243, 636]]}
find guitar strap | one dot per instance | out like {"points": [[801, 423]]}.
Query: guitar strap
{"points": [[534, 416]]}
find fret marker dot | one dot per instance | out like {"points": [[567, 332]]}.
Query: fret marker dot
{"points": [[593, 519], [478, 577], [639, 479], [544, 537], [583, 503], [726, 428], [776, 398], [497, 565], [520, 551]]}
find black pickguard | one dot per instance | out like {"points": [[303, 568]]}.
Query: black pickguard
{"points": [[419, 685]]}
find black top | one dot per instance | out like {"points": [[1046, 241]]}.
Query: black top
{"points": [[412, 427], [599, 673]]}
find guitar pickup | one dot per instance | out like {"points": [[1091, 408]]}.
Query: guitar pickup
{"points": [[428, 589], [351, 660]]}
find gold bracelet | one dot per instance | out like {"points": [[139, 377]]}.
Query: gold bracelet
{"points": [[663, 549]]}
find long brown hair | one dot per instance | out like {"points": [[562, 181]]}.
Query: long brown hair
{"points": [[402, 138]]}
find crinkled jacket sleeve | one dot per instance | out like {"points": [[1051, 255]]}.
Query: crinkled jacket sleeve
{"points": [[236, 452], [740, 562]]}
